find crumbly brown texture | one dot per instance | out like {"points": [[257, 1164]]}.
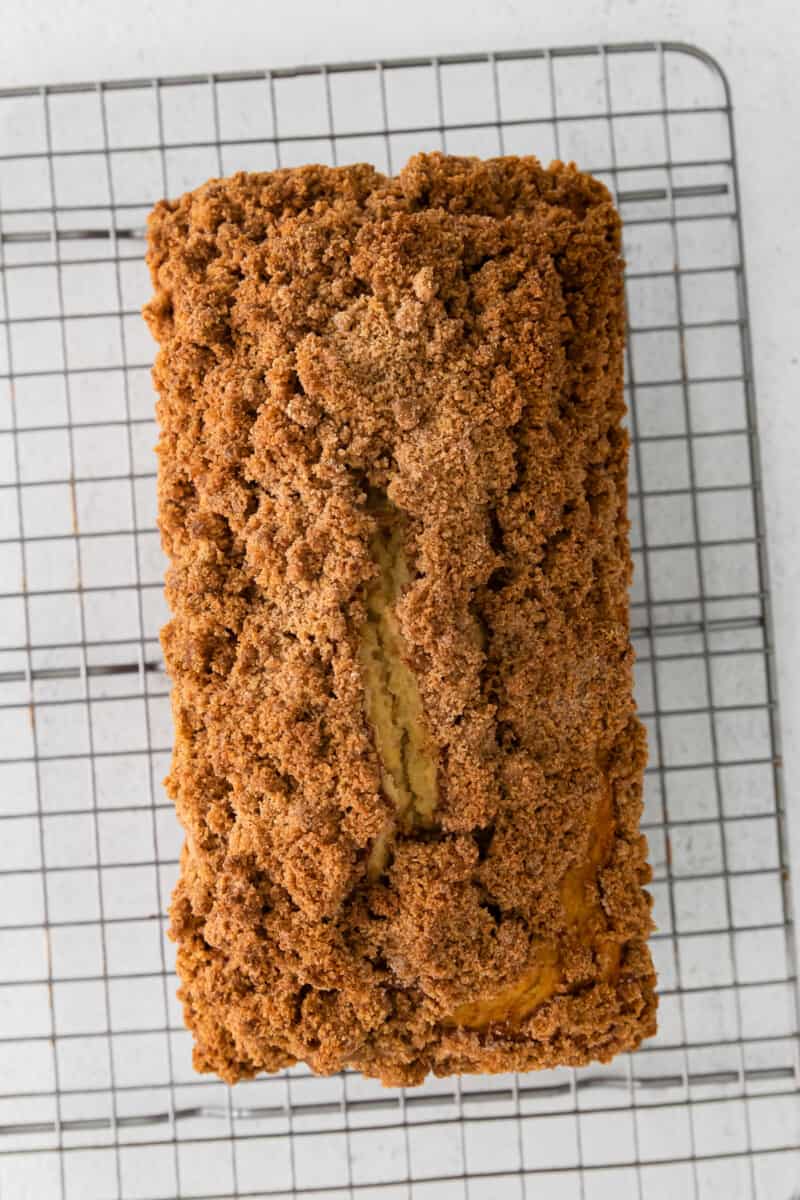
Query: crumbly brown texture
{"points": [[390, 435]]}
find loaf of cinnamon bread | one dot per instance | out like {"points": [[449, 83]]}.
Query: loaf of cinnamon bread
{"points": [[392, 491]]}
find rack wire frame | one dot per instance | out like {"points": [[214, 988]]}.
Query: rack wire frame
{"points": [[97, 1096]]}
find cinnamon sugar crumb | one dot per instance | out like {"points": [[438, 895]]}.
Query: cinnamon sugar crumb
{"points": [[452, 340]]}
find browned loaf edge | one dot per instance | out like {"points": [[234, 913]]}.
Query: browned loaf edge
{"points": [[392, 490]]}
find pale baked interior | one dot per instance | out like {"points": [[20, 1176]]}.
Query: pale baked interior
{"points": [[407, 754]]}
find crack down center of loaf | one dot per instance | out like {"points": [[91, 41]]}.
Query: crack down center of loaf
{"points": [[407, 754]]}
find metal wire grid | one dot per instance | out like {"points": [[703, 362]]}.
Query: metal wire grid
{"points": [[97, 1097]]}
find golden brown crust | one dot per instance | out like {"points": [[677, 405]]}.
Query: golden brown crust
{"points": [[451, 340]]}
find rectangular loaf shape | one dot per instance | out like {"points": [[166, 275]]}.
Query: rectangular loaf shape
{"points": [[392, 490]]}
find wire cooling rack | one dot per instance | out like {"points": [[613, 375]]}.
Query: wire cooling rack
{"points": [[97, 1094]]}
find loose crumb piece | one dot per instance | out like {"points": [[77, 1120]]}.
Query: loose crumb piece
{"points": [[392, 489]]}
